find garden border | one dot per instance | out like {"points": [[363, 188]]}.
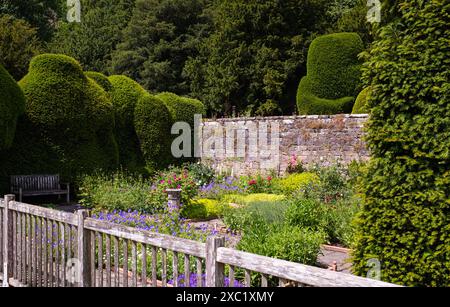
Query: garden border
{"points": [[26, 262]]}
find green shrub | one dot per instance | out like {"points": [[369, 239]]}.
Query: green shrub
{"points": [[19, 43], [101, 80], [125, 95], [12, 104], [244, 200], [182, 109], [283, 242], [340, 221], [333, 75], [360, 106], [335, 220], [202, 173], [334, 183], [293, 183], [306, 213], [268, 210], [118, 191], [68, 123], [405, 220], [202, 209], [152, 123]]}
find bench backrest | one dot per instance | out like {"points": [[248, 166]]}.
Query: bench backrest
{"points": [[35, 183]]}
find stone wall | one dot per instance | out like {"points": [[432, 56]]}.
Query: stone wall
{"points": [[239, 146]]}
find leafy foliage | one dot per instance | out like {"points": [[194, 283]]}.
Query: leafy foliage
{"points": [[40, 14], [360, 106], [125, 95], [293, 183], [18, 44], [100, 79], [333, 75], [254, 54], [12, 104], [405, 222], [159, 39], [93, 40], [68, 121], [152, 123]]}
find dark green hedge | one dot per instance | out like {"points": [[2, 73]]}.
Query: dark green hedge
{"points": [[333, 73], [360, 106], [125, 95], [101, 80], [12, 104], [68, 122], [153, 122], [182, 109], [405, 220]]}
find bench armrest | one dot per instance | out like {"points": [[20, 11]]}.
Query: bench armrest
{"points": [[67, 184]]}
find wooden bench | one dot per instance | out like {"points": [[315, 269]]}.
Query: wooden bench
{"points": [[38, 185]]}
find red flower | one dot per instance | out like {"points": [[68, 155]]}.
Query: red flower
{"points": [[269, 178], [252, 182]]}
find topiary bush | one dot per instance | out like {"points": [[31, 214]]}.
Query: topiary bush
{"points": [[152, 122], [333, 75], [124, 96], [68, 122], [405, 219], [182, 109], [100, 79], [12, 104], [360, 106]]}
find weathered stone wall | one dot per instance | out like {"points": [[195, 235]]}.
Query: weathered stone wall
{"points": [[239, 146]]}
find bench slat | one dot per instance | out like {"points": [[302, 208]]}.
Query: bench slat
{"points": [[34, 185]]}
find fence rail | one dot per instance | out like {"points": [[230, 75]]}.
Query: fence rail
{"points": [[42, 247]]}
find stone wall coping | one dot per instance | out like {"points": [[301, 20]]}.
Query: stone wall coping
{"points": [[292, 117]]}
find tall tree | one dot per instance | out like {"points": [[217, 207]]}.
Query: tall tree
{"points": [[41, 14], [93, 40], [18, 44], [161, 36], [254, 58]]}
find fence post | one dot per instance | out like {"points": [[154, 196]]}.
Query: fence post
{"points": [[83, 244], [214, 270], [174, 199], [7, 240]]}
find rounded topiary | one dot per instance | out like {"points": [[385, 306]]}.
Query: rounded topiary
{"points": [[404, 225], [333, 75], [101, 80], [152, 122], [360, 106], [182, 109], [12, 103], [70, 115], [125, 94]]}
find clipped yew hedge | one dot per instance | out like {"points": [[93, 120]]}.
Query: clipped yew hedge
{"points": [[12, 104], [360, 106], [405, 219], [332, 81], [100, 79], [153, 122], [68, 122], [125, 94]]}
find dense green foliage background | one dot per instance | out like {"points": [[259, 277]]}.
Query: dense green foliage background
{"points": [[245, 54]]}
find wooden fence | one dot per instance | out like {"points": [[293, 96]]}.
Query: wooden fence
{"points": [[41, 247]]}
